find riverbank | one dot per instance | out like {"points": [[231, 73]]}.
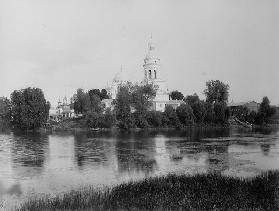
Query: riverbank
{"points": [[172, 192]]}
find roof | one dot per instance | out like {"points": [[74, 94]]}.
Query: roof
{"points": [[170, 101], [107, 100], [233, 104]]}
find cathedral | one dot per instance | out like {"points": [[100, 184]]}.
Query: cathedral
{"points": [[151, 75]]}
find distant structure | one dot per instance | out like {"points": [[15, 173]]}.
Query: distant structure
{"points": [[251, 106], [61, 111], [152, 75]]}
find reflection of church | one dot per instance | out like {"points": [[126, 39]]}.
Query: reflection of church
{"points": [[151, 68]]}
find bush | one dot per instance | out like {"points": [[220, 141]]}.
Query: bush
{"points": [[170, 118], [185, 114], [155, 118]]}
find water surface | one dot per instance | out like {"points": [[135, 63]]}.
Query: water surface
{"points": [[50, 163]]}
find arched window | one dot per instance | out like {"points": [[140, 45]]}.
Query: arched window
{"points": [[150, 74], [155, 74]]}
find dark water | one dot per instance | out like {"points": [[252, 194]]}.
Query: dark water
{"points": [[57, 162]]}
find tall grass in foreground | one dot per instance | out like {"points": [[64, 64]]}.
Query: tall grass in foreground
{"points": [[173, 192]]}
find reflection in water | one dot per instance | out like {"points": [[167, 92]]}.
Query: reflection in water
{"points": [[90, 150], [134, 154], [28, 153], [55, 162]]}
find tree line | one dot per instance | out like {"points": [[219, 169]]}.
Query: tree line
{"points": [[132, 108]]}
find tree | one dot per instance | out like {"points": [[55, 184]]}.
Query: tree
{"points": [[176, 95], [216, 91], [209, 113], [123, 107], [198, 106], [191, 99], [95, 104], [29, 109], [154, 118], [81, 102], [185, 114], [5, 112], [94, 92], [265, 111], [170, 118], [104, 94], [221, 113], [142, 97]]}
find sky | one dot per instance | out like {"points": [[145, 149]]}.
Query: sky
{"points": [[62, 45]]}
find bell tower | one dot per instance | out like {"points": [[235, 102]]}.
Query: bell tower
{"points": [[151, 65], [152, 74]]}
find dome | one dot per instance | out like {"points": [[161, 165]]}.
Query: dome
{"points": [[119, 77]]}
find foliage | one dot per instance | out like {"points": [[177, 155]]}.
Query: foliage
{"points": [[265, 112], [176, 95], [170, 118], [123, 107], [155, 118], [171, 192], [220, 112], [198, 106], [185, 114], [216, 91], [29, 109], [209, 113], [87, 102], [101, 94], [142, 97], [81, 102], [5, 112]]}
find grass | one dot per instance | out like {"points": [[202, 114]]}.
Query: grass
{"points": [[172, 192]]}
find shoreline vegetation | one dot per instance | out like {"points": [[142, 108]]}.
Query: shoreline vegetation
{"points": [[133, 109], [171, 192]]}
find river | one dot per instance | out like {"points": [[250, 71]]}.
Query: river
{"points": [[51, 163]]}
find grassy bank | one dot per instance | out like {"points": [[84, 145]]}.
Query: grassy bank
{"points": [[172, 192]]}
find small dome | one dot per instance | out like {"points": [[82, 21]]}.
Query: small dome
{"points": [[119, 77]]}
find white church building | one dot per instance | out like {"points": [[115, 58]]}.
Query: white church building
{"points": [[151, 75]]}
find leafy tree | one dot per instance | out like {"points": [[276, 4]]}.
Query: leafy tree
{"points": [[123, 107], [220, 112], [94, 92], [81, 102], [109, 119], [209, 113], [94, 119], [265, 112], [142, 97], [191, 99], [5, 112], [170, 118], [29, 109], [176, 95], [95, 104], [216, 91], [198, 106], [104, 94], [185, 114], [155, 118]]}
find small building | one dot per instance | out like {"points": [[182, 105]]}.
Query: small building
{"points": [[61, 111], [251, 106]]}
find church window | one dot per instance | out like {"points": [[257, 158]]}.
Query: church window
{"points": [[150, 74], [155, 74]]}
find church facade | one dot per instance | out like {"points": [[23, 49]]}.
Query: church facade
{"points": [[151, 75]]}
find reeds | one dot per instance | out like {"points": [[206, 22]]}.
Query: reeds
{"points": [[172, 192]]}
